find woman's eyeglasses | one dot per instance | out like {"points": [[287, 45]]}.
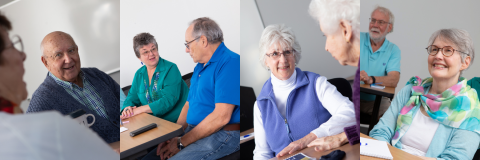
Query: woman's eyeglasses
{"points": [[276, 55], [447, 51], [16, 43]]}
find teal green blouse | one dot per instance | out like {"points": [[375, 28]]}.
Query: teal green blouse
{"points": [[166, 94], [475, 83]]}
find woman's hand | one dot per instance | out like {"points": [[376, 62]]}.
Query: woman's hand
{"points": [[328, 143], [297, 145], [128, 112]]}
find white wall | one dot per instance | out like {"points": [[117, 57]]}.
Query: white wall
{"points": [[94, 25], [252, 74], [168, 20], [293, 14], [415, 21]]}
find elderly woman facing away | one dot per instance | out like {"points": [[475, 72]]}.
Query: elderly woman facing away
{"points": [[340, 24], [157, 87], [437, 116], [294, 107]]}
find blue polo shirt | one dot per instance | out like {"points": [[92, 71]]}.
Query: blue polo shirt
{"points": [[216, 82], [378, 63]]}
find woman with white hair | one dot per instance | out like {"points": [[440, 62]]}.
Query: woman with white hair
{"points": [[438, 116], [294, 107], [340, 24]]}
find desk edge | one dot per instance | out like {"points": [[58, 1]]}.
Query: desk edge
{"points": [[153, 142], [376, 92]]}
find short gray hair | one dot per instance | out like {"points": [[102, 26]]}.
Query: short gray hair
{"points": [[460, 38], [207, 27], [279, 34], [330, 12], [387, 12], [141, 40]]}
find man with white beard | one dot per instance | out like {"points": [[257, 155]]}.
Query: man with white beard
{"points": [[379, 58]]}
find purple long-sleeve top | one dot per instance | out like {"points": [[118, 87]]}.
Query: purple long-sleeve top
{"points": [[353, 132]]}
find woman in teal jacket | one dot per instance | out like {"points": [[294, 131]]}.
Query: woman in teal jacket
{"points": [[437, 117], [157, 87]]}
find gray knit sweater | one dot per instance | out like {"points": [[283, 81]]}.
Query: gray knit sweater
{"points": [[51, 96]]}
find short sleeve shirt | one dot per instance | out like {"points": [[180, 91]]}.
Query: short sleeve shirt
{"points": [[217, 81], [379, 63]]}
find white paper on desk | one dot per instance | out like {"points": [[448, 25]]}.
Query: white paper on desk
{"points": [[123, 129], [247, 136], [377, 87], [374, 148]]}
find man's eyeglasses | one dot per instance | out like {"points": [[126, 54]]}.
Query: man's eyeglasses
{"points": [[73, 51], [380, 22], [275, 55], [447, 51], [187, 44]]}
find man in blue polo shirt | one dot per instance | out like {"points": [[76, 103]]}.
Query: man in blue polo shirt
{"points": [[212, 125], [380, 59]]}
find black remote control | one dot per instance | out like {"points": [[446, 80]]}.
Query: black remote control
{"points": [[143, 129]]}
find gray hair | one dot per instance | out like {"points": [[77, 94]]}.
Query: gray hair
{"points": [[141, 40], [207, 27], [279, 34], [460, 38], [387, 12], [330, 12]]}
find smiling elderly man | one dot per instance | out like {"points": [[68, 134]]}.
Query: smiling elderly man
{"points": [[380, 58], [68, 87]]}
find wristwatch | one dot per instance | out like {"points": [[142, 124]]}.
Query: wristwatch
{"points": [[373, 78], [179, 144]]}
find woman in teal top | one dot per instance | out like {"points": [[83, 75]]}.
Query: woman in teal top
{"points": [[157, 87], [437, 117]]}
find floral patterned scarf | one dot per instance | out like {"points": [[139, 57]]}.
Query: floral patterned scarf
{"points": [[457, 107]]}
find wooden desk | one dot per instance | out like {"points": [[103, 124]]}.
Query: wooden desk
{"points": [[130, 145], [386, 92], [396, 153], [351, 152], [245, 133]]}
